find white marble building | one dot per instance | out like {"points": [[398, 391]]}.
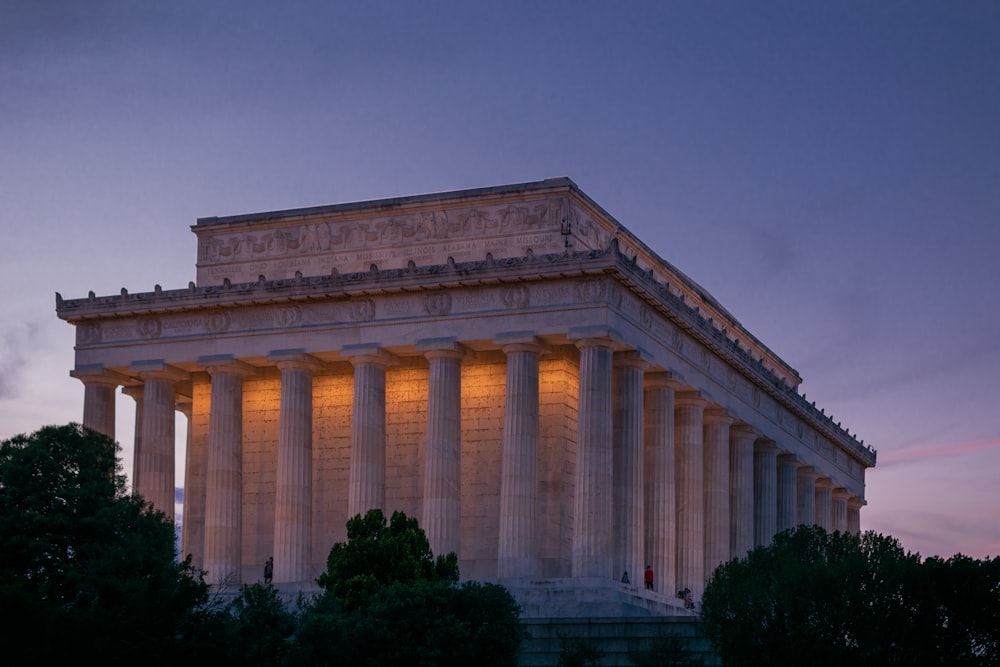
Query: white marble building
{"points": [[553, 400]]}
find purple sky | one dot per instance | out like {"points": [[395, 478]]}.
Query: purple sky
{"points": [[829, 171]]}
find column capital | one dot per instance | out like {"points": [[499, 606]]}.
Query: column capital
{"points": [[226, 364], [98, 374], [742, 430], [368, 354], [134, 391], [519, 341], [442, 348], [663, 380], [508, 338], [808, 472], [840, 493], [766, 446], [157, 369], [854, 502], [717, 415], [294, 359], [636, 358], [789, 459], [596, 335], [185, 407], [824, 483], [690, 399]]}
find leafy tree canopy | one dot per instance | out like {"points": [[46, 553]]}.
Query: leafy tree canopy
{"points": [[833, 599], [377, 554], [388, 601], [80, 557]]}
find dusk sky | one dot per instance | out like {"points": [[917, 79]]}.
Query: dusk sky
{"points": [[829, 171]]}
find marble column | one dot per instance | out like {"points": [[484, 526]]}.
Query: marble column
{"points": [[854, 505], [136, 393], [690, 475], [716, 482], [788, 499], [593, 529], [516, 547], [840, 496], [293, 483], [824, 504], [443, 455], [741, 490], [155, 478], [627, 463], [660, 492], [806, 477], [99, 387], [765, 492], [195, 468], [367, 477], [224, 470]]}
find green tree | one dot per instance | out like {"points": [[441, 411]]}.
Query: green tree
{"points": [[960, 612], [834, 599], [92, 565], [388, 601], [578, 652], [666, 650], [377, 554], [259, 626]]}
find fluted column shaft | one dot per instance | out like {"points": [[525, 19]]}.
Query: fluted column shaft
{"points": [[660, 492], [688, 439], [854, 505], [155, 479], [224, 473], [824, 504], [807, 496], [592, 532], [367, 478], [293, 488], [840, 496], [765, 496], [193, 526], [516, 548], [138, 395], [627, 464], [443, 463], [741, 492], [716, 486], [98, 398], [787, 492]]}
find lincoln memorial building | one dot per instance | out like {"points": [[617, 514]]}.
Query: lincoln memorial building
{"points": [[555, 402]]}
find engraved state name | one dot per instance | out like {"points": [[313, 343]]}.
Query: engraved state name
{"points": [[357, 259]]}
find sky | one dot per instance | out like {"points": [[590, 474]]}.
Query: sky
{"points": [[830, 172]]}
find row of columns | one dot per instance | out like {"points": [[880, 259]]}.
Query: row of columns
{"points": [[662, 478]]}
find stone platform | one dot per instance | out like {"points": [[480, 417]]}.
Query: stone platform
{"points": [[590, 597]]}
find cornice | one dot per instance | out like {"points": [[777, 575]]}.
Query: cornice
{"points": [[611, 261]]}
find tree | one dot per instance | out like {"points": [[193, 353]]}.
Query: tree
{"points": [[833, 599], [389, 601], [259, 626], [92, 565], [666, 650], [377, 554]]}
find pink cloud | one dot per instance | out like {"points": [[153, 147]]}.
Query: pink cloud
{"points": [[906, 456]]}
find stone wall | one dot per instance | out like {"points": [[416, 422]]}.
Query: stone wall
{"points": [[616, 637]]}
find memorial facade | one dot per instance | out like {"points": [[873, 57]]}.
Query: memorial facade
{"points": [[552, 399]]}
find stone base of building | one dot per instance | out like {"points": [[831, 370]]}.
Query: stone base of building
{"points": [[589, 598], [552, 598], [617, 638]]}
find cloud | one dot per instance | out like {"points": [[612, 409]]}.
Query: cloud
{"points": [[18, 343], [909, 456]]}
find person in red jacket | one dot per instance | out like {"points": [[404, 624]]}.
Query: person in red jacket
{"points": [[648, 577]]}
